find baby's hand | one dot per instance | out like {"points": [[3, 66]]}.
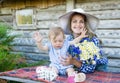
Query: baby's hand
{"points": [[37, 37]]}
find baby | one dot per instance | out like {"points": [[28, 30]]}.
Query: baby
{"points": [[56, 48]]}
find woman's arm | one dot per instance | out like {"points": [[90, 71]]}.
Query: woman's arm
{"points": [[70, 61], [77, 39], [76, 63], [81, 65]]}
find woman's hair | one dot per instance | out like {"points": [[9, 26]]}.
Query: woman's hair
{"points": [[55, 31], [89, 33]]}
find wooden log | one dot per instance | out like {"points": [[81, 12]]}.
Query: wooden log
{"points": [[111, 34], [109, 24], [27, 41], [112, 52], [106, 14], [37, 57], [85, 1], [111, 42], [114, 63], [28, 34], [4, 11], [47, 24], [101, 5], [113, 69], [53, 8], [28, 49], [6, 18], [49, 15], [34, 57]]}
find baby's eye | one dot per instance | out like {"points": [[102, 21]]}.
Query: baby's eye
{"points": [[54, 41], [60, 41]]}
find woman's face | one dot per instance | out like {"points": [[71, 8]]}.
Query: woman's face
{"points": [[77, 24]]}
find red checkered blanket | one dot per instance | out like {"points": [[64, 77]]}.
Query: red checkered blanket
{"points": [[96, 77]]}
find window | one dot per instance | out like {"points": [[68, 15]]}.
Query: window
{"points": [[24, 17]]}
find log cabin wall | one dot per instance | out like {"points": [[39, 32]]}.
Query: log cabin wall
{"points": [[108, 11]]}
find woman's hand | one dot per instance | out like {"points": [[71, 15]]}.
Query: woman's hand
{"points": [[66, 60], [37, 37], [69, 60], [83, 33]]}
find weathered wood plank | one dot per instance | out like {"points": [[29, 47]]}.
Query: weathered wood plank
{"points": [[34, 57], [31, 27], [53, 8], [113, 69], [27, 41], [114, 62], [112, 52], [28, 34], [111, 42], [49, 15], [28, 49], [24, 41], [37, 57], [101, 5], [22, 33], [112, 34], [6, 18], [108, 34], [44, 33], [47, 24], [8, 23], [84, 1], [106, 14], [109, 24], [5, 11]]}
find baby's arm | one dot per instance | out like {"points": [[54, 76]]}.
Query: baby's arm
{"points": [[38, 38]]}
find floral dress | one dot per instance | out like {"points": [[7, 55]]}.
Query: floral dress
{"points": [[87, 67]]}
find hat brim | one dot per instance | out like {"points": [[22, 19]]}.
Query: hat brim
{"points": [[64, 21]]}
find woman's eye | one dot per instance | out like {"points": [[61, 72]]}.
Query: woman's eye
{"points": [[74, 21], [81, 21]]}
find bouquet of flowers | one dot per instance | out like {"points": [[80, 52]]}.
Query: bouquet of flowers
{"points": [[86, 51]]}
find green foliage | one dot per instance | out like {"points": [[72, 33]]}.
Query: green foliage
{"points": [[5, 39], [8, 61]]}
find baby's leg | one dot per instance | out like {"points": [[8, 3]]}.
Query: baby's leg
{"points": [[54, 69], [70, 72], [71, 75], [74, 76], [80, 77], [52, 73]]}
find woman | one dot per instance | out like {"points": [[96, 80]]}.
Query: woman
{"points": [[80, 24]]}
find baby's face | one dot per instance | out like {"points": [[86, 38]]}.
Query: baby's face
{"points": [[58, 41]]}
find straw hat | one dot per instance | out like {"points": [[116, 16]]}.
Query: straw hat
{"points": [[64, 20]]}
